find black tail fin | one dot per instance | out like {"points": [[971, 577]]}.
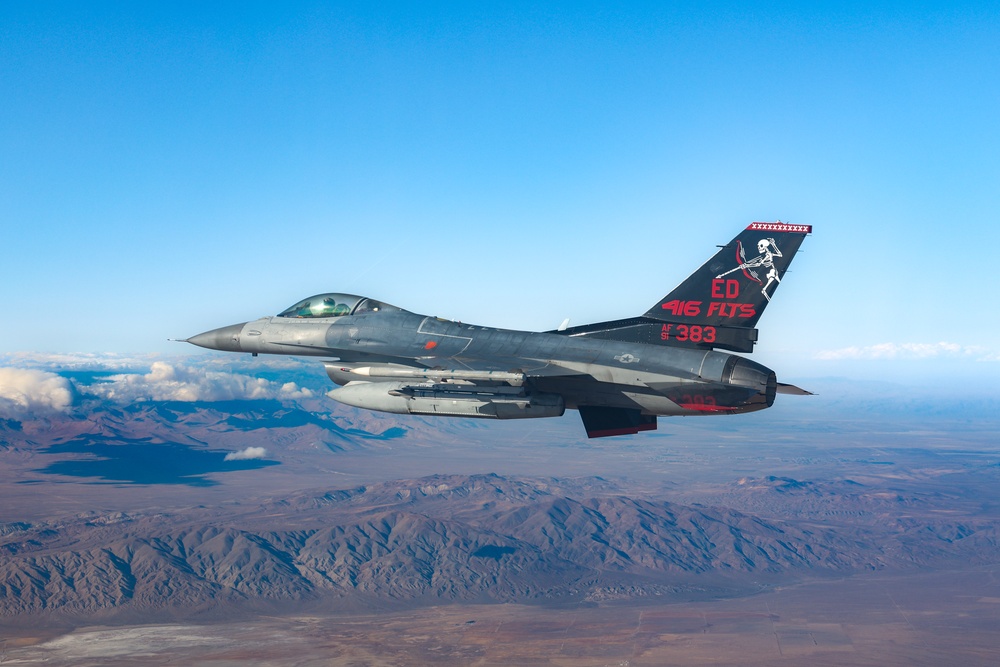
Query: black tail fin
{"points": [[719, 304], [733, 288]]}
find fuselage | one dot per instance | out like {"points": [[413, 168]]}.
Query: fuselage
{"points": [[656, 379]]}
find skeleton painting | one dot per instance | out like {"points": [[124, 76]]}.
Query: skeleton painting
{"points": [[768, 250]]}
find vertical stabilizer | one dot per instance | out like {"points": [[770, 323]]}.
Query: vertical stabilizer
{"points": [[733, 288]]}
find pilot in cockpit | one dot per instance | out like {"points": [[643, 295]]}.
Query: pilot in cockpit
{"points": [[334, 305]]}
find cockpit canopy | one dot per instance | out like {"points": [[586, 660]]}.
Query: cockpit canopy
{"points": [[335, 305]]}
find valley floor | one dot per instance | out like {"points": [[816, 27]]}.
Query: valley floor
{"points": [[919, 619]]}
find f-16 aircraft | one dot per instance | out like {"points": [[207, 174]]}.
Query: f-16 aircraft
{"points": [[620, 375]]}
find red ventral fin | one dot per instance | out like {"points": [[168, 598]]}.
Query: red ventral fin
{"points": [[602, 422]]}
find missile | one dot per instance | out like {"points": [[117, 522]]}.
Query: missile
{"points": [[513, 379], [400, 398]]}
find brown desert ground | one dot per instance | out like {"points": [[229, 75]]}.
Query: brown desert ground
{"points": [[768, 540]]}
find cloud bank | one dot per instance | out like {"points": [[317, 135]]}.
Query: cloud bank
{"points": [[909, 351], [25, 391], [76, 360], [169, 382], [247, 454]]}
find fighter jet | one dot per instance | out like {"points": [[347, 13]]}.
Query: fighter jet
{"points": [[620, 375]]}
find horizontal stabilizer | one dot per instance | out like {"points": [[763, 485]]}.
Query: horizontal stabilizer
{"points": [[792, 390]]}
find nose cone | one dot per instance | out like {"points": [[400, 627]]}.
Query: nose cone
{"points": [[226, 339]]}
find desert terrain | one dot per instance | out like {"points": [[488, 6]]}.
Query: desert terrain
{"points": [[832, 533]]}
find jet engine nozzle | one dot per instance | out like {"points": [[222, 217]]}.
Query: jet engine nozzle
{"points": [[745, 373]]}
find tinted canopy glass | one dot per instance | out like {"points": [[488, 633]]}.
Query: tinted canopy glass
{"points": [[335, 305], [323, 305]]}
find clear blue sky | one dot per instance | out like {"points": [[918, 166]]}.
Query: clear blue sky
{"points": [[172, 168]]}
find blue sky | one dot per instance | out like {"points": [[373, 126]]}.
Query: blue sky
{"points": [[172, 168]]}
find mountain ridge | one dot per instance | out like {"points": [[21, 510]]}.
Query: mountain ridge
{"points": [[446, 538]]}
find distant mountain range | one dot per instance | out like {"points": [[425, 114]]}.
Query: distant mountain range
{"points": [[443, 538]]}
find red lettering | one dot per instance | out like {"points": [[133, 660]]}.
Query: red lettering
{"points": [[693, 333], [696, 399], [725, 289], [686, 308], [723, 309]]}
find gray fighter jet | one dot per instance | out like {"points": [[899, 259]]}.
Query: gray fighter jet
{"points": [[619, 375]]}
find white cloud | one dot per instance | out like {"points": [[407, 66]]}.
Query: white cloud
{"points": [[243, 361], [112, 361], [24, 391], [247, 454], [908, 351], [172, 382], [77, 360]]}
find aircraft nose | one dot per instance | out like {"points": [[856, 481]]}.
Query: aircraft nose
{"points": [[225, 339]]}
